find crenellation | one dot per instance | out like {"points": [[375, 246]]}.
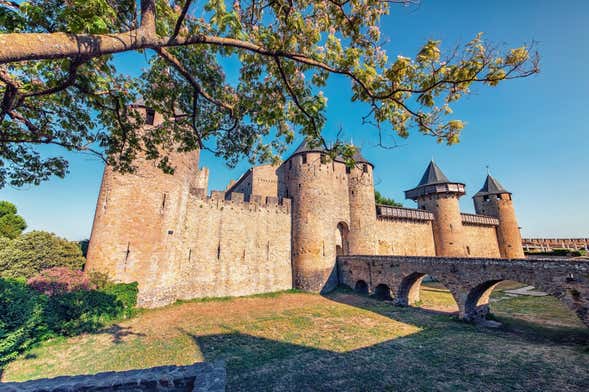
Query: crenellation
{"points": [[279, 227]]}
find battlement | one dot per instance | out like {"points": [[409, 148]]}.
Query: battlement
{"points": [[478, 219], [384, 211], [237, 199]]}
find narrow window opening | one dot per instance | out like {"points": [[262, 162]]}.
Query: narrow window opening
{"points": [[304, 158], [127, 256], [290, 164], [364, 168], [468, 250], [323, 248], [218, 251], [189, 254], [150, 116], [164, 200], [323, 159], [268, 250], [486, 198], [348, 170]]}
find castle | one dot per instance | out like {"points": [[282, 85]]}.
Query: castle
{"points": [[278, 227]]}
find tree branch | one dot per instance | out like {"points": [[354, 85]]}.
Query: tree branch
{"points": [[170, 58], [181, 19]]}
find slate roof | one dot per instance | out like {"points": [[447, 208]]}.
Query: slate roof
{"points": [[433, 175], [491, 187]]}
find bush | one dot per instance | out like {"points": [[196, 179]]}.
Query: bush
{"points": [[11, 224], [60, 280], [31, 253], [28, 316]]}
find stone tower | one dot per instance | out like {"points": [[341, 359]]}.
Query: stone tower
{"points": [[138, 216], [318, 188], [494, 200], [437, 194], [362, 235]]}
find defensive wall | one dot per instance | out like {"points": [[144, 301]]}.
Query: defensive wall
{"points": [[470, 280]]}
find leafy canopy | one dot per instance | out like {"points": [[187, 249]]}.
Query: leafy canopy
{"points": [[30, 253], [11, 224], [380, 199], [51, 83]]}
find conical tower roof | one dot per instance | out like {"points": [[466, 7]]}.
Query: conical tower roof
{"points": [[433, 175], [434, 181], [304, 147], [491, 187]]}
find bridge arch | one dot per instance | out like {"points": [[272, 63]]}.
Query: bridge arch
{"points": [[383, 292], [361, 287], [408, 290], [476, 305]]}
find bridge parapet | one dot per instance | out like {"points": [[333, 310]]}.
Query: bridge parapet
{"points": [[470, 280]]}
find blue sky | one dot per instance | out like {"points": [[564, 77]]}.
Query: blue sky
{"points": [[531, 132]]}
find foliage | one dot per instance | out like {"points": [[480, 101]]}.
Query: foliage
{"points": [[286, 50], [11, 224], [28, 316], [380, 199], [30, 253], [60, 280]]}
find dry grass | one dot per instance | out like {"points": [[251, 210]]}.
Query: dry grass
{"points": [[343, 341]]}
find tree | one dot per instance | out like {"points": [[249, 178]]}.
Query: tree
{"points": [[380, 199], [11, 224], [27, 255], [56, 70]]}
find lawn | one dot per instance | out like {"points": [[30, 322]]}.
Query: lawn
{"points": [[343, 341]]}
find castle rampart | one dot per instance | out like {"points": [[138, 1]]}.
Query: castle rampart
{"points": [[278, 227]]}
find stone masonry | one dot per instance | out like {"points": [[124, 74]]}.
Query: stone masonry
{"points": [[470, 280], [279, 227]]}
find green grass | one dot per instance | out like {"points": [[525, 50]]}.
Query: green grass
{"points": [[343, 341]]}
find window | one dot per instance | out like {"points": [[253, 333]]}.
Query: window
{"points": [[150, 116], [468, 250], [348, 170], [304, 158], [290, 164], [364, 168], [486, 198], [323, 159]]}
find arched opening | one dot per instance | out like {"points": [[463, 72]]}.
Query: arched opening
{"points": [[422, 290], [383, 292], [520, 305], [341, 239], [361, 287]]}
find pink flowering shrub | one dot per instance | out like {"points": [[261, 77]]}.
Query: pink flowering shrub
{"points": [[60, 280]]}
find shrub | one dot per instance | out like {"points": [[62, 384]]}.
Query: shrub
{"points": [[11, 224], [60, 280], [31, 253], [28, 316]]}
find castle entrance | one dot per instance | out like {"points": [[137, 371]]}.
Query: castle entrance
{"points": [[341, 238]]}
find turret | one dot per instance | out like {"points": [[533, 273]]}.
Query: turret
{"points": [[437, 194], [494, 200], [138, 215], [362, 235], [318, 188]]}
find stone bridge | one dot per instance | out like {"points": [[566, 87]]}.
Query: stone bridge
{"points": [[470, 280]]}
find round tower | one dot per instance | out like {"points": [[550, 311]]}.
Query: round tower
{"points": [[138, 215], [494, 200], [362, 236], [318, 188], [437, 194]]}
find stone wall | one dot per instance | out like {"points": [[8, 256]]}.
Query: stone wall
{"points": [[319, 191], [200, 377], [470, 280], [259, 180], [222, 248], [481, 241], [405, 237]]}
